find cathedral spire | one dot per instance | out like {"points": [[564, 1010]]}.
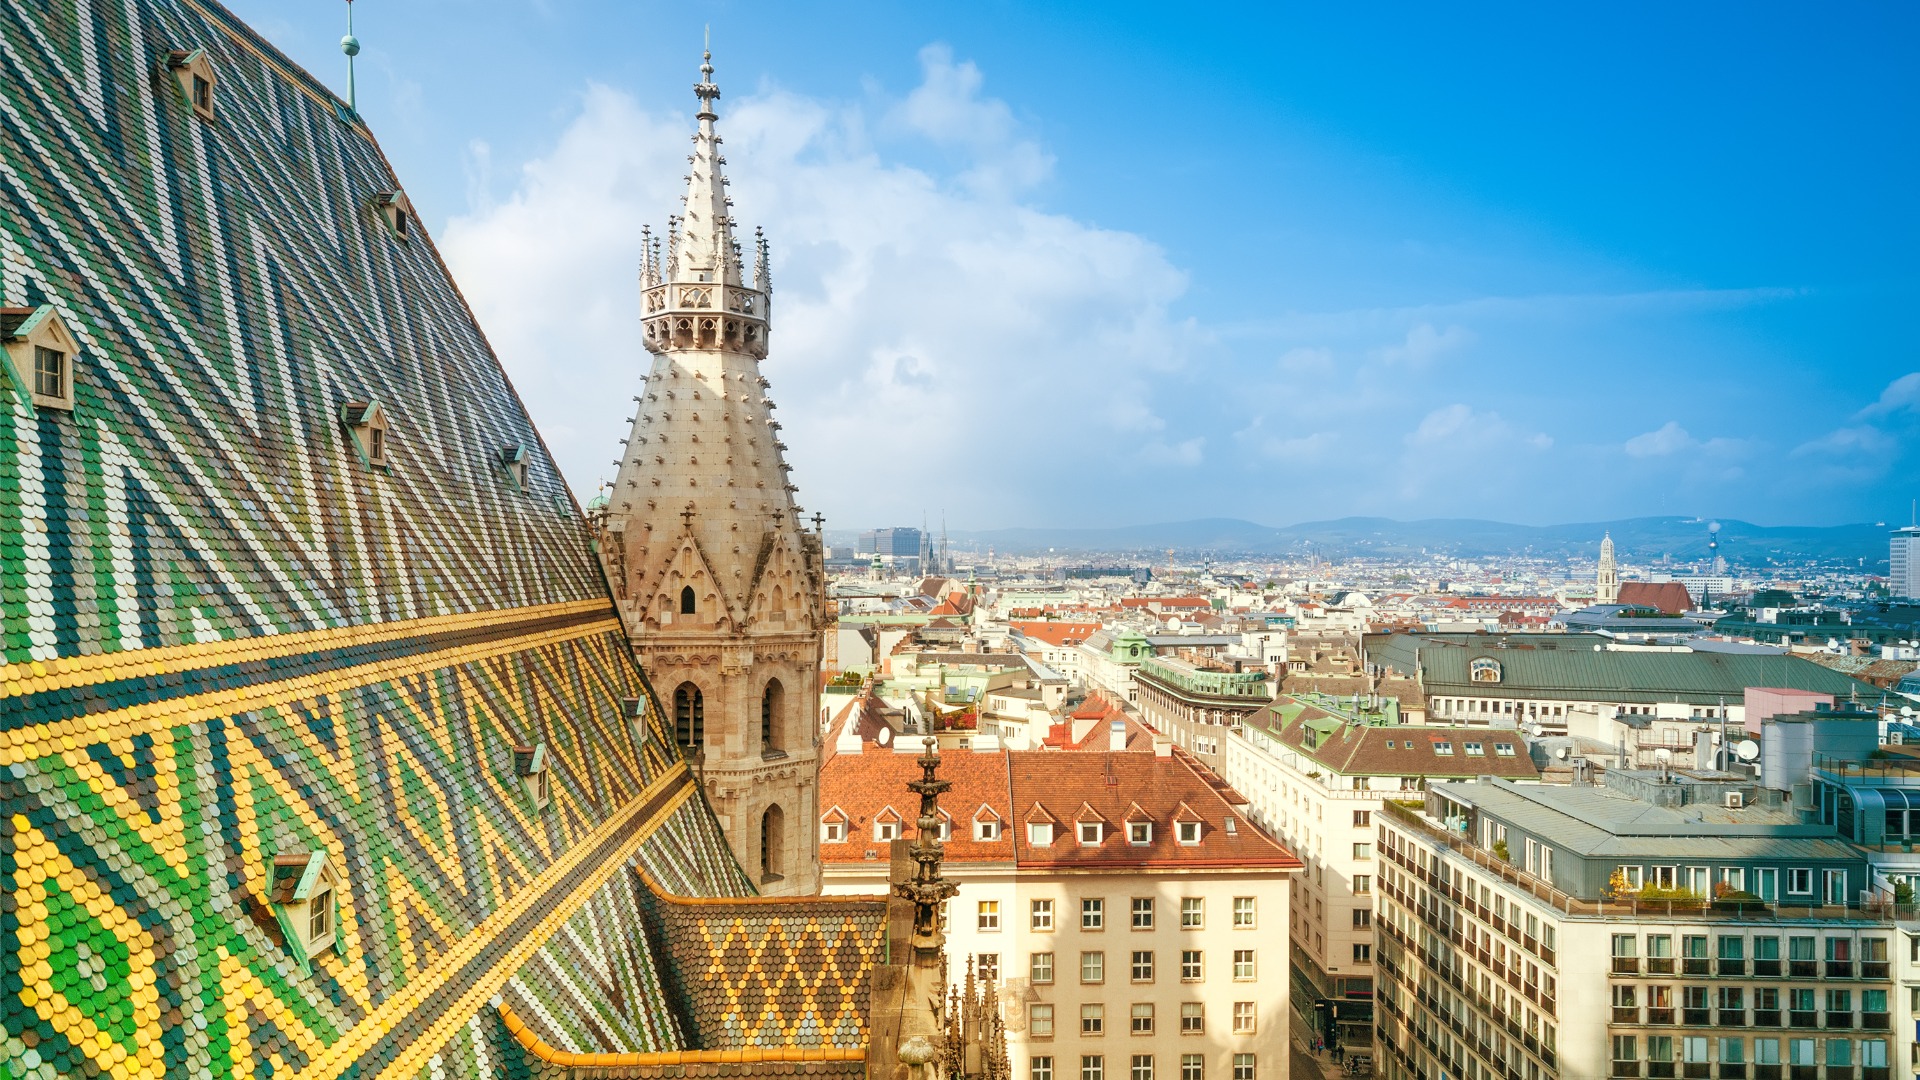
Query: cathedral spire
{"points": [[698, 296]]}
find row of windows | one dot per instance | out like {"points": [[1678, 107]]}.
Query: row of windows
{"points": [[1140, 965], [1140, 1019], [1141, 913], [1094, 1067], [1627, 998], [1735, 1050], [1766, 881], [1839, 949]]}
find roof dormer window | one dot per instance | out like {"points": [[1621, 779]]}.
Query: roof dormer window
{"points": [[1091, 833], [1188, 832], [367, 422], [397, 211], [513, 461], [41, 352], [1040, 833], [302, 889], [530, 765], [1139, 833], [193, 73], [986, 825]]}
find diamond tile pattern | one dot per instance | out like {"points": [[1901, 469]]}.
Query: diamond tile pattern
{"points": [[225, 637]]}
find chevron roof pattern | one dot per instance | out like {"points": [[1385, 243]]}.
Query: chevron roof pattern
{"points": [[229, 634]]}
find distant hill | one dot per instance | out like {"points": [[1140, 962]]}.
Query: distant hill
{"points": [[1741, 542]]}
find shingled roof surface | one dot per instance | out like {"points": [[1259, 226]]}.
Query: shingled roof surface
{"points": [[1353, 749], [225, 638], [865, 785]]}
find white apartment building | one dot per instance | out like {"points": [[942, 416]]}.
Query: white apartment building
{"points": [[1315, 770], [1135, 921]]}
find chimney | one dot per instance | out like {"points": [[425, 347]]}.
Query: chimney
{"points": [[1162, 746], [1117, 736]]}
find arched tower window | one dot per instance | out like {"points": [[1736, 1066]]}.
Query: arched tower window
{"points": [[772, 701], [689, 716], [773, 831], [686, 600]]}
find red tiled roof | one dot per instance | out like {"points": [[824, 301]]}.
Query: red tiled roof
{"points": [[1057, 634], [1668, 596], [1167, 788], [865, 785]]}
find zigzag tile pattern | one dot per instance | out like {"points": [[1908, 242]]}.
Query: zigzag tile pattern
{"points": [[223, 637]]}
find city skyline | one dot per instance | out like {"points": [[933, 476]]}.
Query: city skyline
{"points": [[1338, 275]]}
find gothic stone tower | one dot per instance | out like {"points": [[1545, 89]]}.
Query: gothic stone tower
{"points": [[1606, 586], [717, 578]]}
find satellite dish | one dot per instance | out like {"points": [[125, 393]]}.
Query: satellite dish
{"points": [[1561, 753], [1663, 755], [1906, 710], [1746, 750]]}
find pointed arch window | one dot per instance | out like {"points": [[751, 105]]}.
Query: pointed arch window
{"points": [[688, 604], [773, 829], [772, 705], [689, 717]]}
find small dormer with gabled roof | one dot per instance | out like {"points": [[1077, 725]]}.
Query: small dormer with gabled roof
{"points": [[1090, 826], [302, 889], [531, 766], [987, 826], [192, 72], [1188, 826], [1040, 826], [396, 210], [366, 421], [41, 354], [1139, 825], [834, 826], [887, 824]]}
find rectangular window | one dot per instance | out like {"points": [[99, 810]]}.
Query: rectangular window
{"points": [[1093, 1067], [989, 915], [1473, 749], [1191, 969], [1091, 833], [1139, 833], [1040, 1068], [1243, 1067], [1188, 832], [834, 832], [1362, 819], [49, 372], [1243, 1018], [1242, 964], [1143, 913], [1040, 833], [1040, 1020], [1766, 1051], [1799, 882], [1362, 954], [320, 916], [1362, 852], [1362, 885], [1362, 918], [1243, 912], [1141, 1020], [1040, 967], [1193, 1067], [1093, 914], [1142, 965], [1042, 914], [988, 829], [1193, 913], [1093, 1019], [1193, 1018], [1141, 1067], [1093, 967]]}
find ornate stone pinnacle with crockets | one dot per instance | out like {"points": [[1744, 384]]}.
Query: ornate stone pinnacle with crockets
{"points": [[928, 890]]}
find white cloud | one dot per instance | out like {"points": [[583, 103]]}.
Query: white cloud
{"points": [[1460, 425], [1902, 394], [1670, 438], [1424, 343], [1847, 441], [1306, 361], [932, 313]]}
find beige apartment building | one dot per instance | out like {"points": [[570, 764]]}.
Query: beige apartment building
{"points": [[1652, 927], [1315, 770], [1134, 920]]}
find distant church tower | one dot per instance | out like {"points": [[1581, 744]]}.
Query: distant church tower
{"points": [[719, 582], [1606, 587]]}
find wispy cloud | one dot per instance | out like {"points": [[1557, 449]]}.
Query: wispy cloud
{"points": [[1901, 395], [1423, 343]]}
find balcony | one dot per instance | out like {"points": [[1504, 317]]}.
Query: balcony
{"points": [[1839, 1021], [1625, 1068], [1701, 1069], [1695, 965], [1659, 965], [1800, 1019], [1695, 1017], [1766, 1018], [1839, 969], [1804, 1072], [1766, 969], [1660, 1068], [1665, 1016], [1875, 1022], [1875, 969], [1803, 969], [1730, 967], [1732, 1017], [1626, 965], [1733, 1072], [1766, 1072]]}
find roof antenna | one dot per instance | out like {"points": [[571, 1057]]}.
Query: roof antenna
{"points": [[351, 46]]}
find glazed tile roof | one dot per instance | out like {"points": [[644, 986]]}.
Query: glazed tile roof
{"points": [[225, 639]]}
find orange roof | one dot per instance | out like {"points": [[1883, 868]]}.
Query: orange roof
{"points": [[865, 786], [1057, 634]]}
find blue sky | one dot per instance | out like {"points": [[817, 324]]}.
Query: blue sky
{"points": [[1102, 264]]}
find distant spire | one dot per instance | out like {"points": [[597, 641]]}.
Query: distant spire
{"points": [[706, 245]]}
